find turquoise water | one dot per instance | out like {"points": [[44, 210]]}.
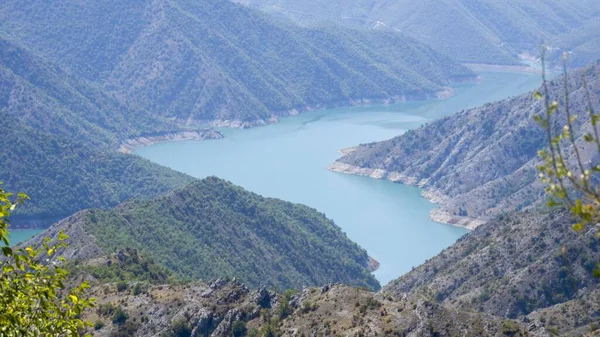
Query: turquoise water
{"points": [[21, 235], [288, 160]]}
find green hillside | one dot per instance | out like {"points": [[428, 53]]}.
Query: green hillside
{"points": [[59, 136], [201, 61], [212, 229], [49, 99], [491, 31]]}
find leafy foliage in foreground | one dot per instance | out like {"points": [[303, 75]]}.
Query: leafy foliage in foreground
{"points": [[33, 298], [212, 228], [571, 165]]}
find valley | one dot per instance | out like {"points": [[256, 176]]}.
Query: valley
{"points": [[288, 160], [270, 168]]}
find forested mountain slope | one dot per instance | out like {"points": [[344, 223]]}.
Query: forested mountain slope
{"points": [[480, 162], [49, 99], [62, 177], [59, 139], [529, 266], [207, 61], [212, 228], [490, 31]]}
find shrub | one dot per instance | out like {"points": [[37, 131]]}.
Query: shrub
{"points": [[239, 329], [120, 316], [98, 325]]}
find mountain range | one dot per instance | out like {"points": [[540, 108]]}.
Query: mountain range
{"points": [[80, 80], [491, 32], [203, 62], [522, 274]]}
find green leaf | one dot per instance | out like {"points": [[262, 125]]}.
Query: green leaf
{"points": [[7, 251], [62, 236]]}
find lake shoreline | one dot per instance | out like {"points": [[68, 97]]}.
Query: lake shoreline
{"points": [[445, 93], [130, 145], [287, 161], [481, 67], [439, 215]]}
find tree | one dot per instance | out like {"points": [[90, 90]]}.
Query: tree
{"points": [[571, 180], [33, 298]]}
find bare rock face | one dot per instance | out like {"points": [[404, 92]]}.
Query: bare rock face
{"points": [[263, 297], [204, 322], [225, 326], [337, 310]]}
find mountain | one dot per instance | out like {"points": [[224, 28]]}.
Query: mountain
{"points": [[50, 99], [582, 44], [480, 162], [62, 177], [60, 133], [212, 228], [521, 274], [520, 264], [214, 61], [491, 31], [226, 308]]}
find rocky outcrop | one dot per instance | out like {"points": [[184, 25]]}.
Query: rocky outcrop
{"points": [[482, 162], [511, 266], [206, 310], [129, 145]]}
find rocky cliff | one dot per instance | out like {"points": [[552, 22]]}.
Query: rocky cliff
{"points": [[480, 162], [226, 308], [515, 265]]}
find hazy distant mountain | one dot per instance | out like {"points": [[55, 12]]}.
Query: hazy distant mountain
{"points": [[212, 228], [62, 177], [480, 162], [79, 78], [490, 31], [201, 61]]}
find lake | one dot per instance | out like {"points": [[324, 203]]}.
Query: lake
{"points": [[21, 235], [288, 160]]}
